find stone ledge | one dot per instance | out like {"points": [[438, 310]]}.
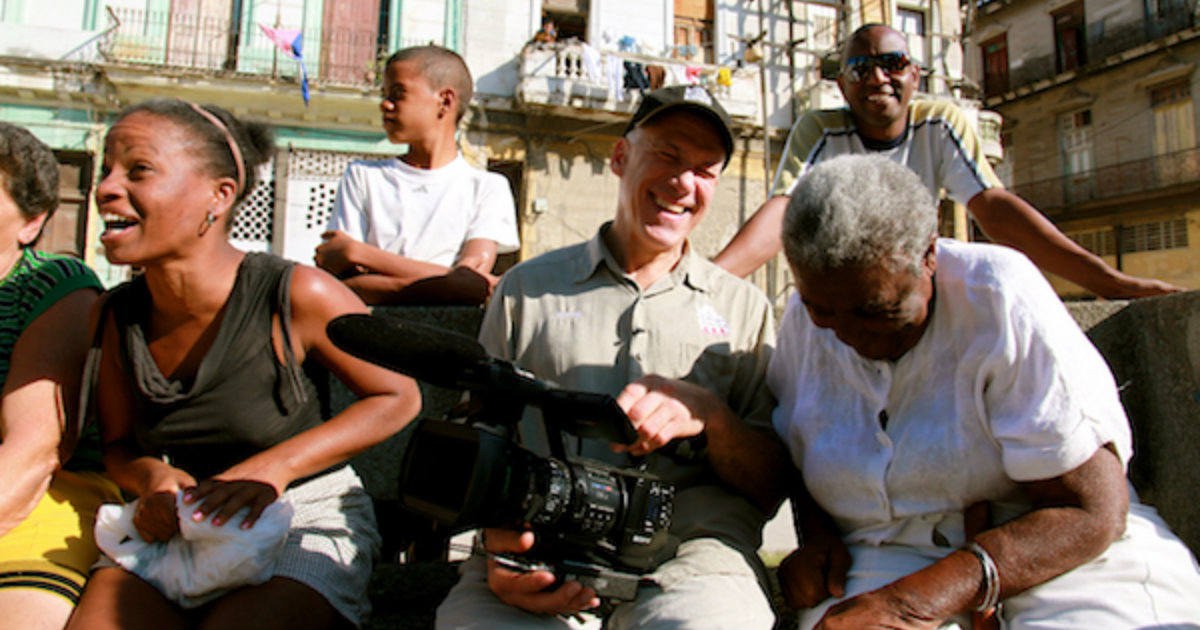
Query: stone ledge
{"points": [[1153, 348]]}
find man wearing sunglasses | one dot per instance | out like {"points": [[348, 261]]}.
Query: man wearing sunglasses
{"points": [[933, 138]]}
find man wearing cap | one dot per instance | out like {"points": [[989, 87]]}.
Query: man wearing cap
{"points": [[683, 346], [934, 139]]}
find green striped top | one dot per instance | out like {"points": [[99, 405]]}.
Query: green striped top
{"points": [[34, 284]]}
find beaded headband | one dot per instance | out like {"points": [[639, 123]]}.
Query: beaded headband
{"points": [[233, 145]]}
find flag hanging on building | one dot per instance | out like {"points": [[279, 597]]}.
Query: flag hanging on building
{"points": [[290, 42]]}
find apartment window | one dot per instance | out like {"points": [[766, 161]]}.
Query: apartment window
{"points": [[349, 40], [694, 30], [1158, 235], [824, 27], [570, 18], [912, 24], [1076, 132], [995, 65], [1174, 120], [1070, 46]]}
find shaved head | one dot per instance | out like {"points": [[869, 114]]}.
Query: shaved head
{"points": [[443, 68], [868, 34]]}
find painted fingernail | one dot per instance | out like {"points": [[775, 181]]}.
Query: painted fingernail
{"points": [[246, 524], [197, 516]]}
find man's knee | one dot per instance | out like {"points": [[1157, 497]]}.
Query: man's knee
{"points": [[711, 602]]}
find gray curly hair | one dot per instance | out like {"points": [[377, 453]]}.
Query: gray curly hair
{"points": [[857, 210]]}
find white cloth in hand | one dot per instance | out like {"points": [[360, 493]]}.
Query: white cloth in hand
{"points": [[201, 562]]}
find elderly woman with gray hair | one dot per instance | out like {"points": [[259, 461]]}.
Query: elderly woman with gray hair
{"points": [[962, 445]]}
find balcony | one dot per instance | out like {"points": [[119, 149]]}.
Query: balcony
{"points": [[990, 124], [1112, 182], [573, 78], [213, 44]]}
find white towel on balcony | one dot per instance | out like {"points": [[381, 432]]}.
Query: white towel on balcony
{"points": [[616, 77], [676, 74], [591, 63]]}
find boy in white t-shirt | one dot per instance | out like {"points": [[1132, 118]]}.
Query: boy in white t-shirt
{"points": [[424, 227]]}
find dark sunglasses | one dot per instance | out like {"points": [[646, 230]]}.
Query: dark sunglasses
{"points": [[858, 68]]}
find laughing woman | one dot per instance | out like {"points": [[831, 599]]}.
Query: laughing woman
{"points": [[46, 512], [203, 385]]}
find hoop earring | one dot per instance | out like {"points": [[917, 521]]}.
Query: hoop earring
{"points": [[209, 220]]}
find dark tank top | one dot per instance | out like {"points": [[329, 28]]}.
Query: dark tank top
{"points": [[242, 400]]}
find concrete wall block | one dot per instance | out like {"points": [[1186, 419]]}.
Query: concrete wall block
{"points": [[1153, 348]]}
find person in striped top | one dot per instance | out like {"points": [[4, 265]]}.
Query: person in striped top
{"points": [[935, 140], [52, 477]]}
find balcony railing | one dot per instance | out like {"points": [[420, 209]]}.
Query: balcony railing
{"points": [[215, 43], [569, 75], [1118, 180]]}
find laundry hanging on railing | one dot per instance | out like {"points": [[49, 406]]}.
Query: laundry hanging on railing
{"points": [[676, 75], [657, 76], [591, 63], [635, 76], [616, 77]]}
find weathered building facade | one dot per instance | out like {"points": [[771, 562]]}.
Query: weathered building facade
{"points": [[1099, 105], [546, 115]]}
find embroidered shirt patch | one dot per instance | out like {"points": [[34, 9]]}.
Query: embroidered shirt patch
{"points": [[711, 322]]}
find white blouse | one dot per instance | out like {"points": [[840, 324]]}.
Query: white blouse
{"points": [[1002, 387]]}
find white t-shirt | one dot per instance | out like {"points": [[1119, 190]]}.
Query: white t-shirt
{"points": [[424, 214], [1002, 387]]}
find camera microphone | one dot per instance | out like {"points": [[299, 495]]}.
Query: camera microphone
{"points": [[434, 355]]}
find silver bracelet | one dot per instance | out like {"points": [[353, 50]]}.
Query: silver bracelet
{"points": [[991, 577]]}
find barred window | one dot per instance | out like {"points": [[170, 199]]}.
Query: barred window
{"points": [[1171, 93], [1148, 237], [1099, 242]]}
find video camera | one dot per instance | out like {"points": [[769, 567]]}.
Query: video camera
{"points": [[597, 524]]}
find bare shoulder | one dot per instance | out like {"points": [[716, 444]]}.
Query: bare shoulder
{"points": [[60, 325], [317, 293]]}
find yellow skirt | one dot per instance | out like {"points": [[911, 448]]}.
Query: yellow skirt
{"points": [[53, 549]]}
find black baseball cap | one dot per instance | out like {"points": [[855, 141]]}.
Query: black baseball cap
{"points": [[692, 97]]}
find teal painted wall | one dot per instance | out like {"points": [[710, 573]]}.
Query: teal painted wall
{"points": [[92, 10], [324, 140], [395, 26], [64, 129], [452, 36], [74, 130], [12, 11]]}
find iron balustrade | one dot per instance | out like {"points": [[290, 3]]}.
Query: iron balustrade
{"points": [[1110, 182], [215, 43]]}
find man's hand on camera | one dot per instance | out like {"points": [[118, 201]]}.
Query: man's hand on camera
{"points": [[527, 589], [662, 409]]}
